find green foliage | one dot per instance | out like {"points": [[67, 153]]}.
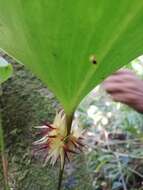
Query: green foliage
{"points": [[5, 70], [72, 45]]}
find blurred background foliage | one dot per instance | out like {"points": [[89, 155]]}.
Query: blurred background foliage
{"points": [[113, 156]]}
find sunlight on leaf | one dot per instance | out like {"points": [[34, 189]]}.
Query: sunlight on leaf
{"points": [[72, 45]]}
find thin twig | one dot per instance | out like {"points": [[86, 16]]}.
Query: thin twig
{"points": [[136, 172], [118, 160], [2, 150], [3, 157]]}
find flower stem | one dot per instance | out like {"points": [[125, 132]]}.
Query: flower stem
{"points": [[69, 119], [61, 175]]}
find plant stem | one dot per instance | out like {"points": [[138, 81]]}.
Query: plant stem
{"points": [[61, 175], [69, 119], [2, 151], [3, 157]]}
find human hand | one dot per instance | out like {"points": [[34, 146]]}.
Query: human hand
{"points": [[125, 87]]}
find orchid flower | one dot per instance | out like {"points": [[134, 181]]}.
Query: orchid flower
{"points": [[56, 142]]}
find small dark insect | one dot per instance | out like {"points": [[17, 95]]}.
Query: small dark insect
{"points": [[93, 59]]}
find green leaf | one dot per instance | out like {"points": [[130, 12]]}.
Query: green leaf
{"points": [[5, 70], [72, 45]]}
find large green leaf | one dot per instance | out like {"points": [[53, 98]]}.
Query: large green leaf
{"points": [[5, 70], [58, 38]]}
